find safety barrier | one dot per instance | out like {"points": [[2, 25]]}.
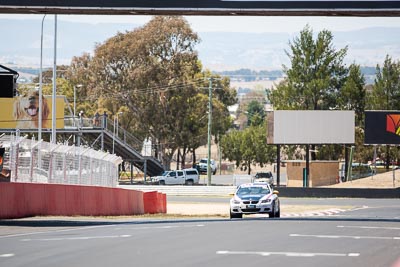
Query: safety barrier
{"points": [[19, 200], [155, 202]]}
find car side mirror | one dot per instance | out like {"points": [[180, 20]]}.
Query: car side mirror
{"points": [[276, 192]]}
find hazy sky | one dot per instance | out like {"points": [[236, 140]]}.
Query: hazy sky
{"points": [[241, 23]]}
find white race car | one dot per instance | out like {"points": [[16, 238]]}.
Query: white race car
{"points": [[255, 198]]}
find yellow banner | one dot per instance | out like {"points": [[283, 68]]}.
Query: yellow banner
{"points": [[22, 112]]}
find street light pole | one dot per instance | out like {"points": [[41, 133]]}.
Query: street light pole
{"points": [[209, 132], [115, 130], [75, 86], [41, 83], [54, 95]]}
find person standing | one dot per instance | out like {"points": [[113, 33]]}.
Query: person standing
{"points": [[105, 115], [81, 118], [96, 121]]}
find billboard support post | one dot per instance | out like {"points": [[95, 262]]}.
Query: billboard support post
{"points": [[394, 176], [307, 165], [350, 165], [346, 163], [278, 165], [304, 177]]}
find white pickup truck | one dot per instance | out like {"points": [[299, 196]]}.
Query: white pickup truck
{"points": [[202, 166], [185, 176]]}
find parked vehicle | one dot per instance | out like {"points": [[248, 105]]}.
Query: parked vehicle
{"points": [[202, 166], [192, 176], [255, 198], [358, 170], [185, 176], [266, 177]]}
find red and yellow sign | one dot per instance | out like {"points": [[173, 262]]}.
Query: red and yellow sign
{"points": [[393, 123]]}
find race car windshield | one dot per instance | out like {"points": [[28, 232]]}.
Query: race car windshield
{"points": [[256, 190], [263, 175]]}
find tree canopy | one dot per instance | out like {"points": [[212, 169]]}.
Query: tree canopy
{"points": [[248, 147], [316, 74], [153, 74]]}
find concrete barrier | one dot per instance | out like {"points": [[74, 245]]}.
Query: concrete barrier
{"points": [[18, 200], [154, 202]]}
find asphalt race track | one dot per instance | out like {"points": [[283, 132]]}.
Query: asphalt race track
{"points": [[365, 236]]}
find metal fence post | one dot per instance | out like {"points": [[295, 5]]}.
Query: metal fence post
{"points": [[31, 162], [65, 166], [145, 170], [15, 156], [13, 160], [53, 147], [32, 159], [79, 165]]}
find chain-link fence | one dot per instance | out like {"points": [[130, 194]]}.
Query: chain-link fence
{"points": [[42, 162]]}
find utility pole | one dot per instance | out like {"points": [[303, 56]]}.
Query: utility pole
{"points": [[209, 132]]}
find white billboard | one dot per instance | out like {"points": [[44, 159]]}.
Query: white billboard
{"points": [[311, 127]]}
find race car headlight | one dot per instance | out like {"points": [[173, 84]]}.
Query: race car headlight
{"points": [[266, 200], [235, 200]]}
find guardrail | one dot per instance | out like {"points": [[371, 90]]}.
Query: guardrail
{"points": [[181, 190]]}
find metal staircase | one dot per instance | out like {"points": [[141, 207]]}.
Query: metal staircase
{"points": [[109, 138], [117, 140]]}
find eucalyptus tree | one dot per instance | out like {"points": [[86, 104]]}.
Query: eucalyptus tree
{"points": [[196, 123], [315, 76], [248, 147], [385, 93], [150, 70], [353, 94], [153, 74], [255, 113]]}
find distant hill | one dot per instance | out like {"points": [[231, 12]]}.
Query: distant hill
{"points": [[218, 51], [260, 51]]}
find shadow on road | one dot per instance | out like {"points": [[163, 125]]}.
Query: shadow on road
{"points": [[81, 222]]}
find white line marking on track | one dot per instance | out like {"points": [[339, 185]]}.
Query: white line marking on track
{"points": [[347, 236], [368, 227], [159, 227], [75, 238], [56, 231], [329, 212], [287, 254], [360, 208], [6, 255]]}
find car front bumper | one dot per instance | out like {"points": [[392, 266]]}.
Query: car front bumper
{"points": [[251, 208]]}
